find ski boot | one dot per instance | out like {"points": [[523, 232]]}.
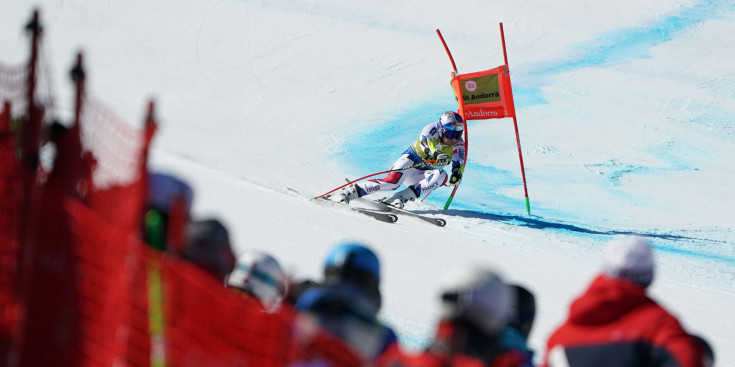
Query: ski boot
{"points": [[399, 198], [345, 194]]}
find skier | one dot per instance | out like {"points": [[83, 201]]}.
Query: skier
{"points": [[440, 142]]}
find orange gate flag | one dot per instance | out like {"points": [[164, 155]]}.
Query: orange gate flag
{"points": [[484, 94]]}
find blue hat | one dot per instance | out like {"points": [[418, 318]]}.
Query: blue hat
{"points": [[357, 265], [348, 259]]}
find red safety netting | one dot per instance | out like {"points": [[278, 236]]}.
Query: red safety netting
{"points": [[11, 195], [78, 287], [13, 80], [217, 324], [117, 153]]}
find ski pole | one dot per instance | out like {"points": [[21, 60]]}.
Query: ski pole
{"points": [[375, 174]]}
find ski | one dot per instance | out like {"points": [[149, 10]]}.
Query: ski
{"points": [[377, 214], [388, 208]]}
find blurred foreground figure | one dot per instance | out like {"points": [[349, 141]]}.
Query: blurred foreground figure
{"points": [[708, 354], [515, 335], [167, 196], [615, 323], [476, 308], [344, 308], [259, 277], [207, 245], [169, 226]]}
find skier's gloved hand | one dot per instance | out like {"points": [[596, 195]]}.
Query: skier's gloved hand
{"points": [[442, 159], [456, 177]]}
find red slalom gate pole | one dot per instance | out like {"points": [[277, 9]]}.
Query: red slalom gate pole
{"points": [[454, 67], [515, 125], [454, 73]]}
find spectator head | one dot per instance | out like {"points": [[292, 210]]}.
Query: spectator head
{"points": [[630, 258], [259, 275], [355, 263], [164, 189], [207, 245], [168, 207], [525, 310], [479, 296]]}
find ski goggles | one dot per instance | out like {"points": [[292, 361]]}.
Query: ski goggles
{"points": [[452, 134]]}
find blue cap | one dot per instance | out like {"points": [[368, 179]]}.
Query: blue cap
{"points": [[352, 257]]}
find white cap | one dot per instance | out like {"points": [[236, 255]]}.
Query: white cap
{"points": [[479, 295], [260, 275], [630, 258]]}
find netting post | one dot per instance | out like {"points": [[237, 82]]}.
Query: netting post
{"points": [[80, 175], [32, 124], [78, 76], [30, 131], [148, 133], [150, 130]]}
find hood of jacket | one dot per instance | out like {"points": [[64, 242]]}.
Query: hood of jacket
{"points": [[606, 300]]}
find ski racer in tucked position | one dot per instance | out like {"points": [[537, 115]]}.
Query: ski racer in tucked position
{"points": [[440, 143]]}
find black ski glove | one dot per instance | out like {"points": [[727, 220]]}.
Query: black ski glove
{"points": [[456, 177]]}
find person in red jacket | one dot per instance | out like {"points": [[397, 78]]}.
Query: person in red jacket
{"points": [[615, 323]]}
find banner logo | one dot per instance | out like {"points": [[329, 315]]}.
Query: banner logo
{"points": [[471, 85]]}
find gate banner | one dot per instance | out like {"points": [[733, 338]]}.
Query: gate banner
{"points": [[484, 94]]}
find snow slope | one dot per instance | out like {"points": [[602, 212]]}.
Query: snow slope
{"points": [[626, 113]]}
